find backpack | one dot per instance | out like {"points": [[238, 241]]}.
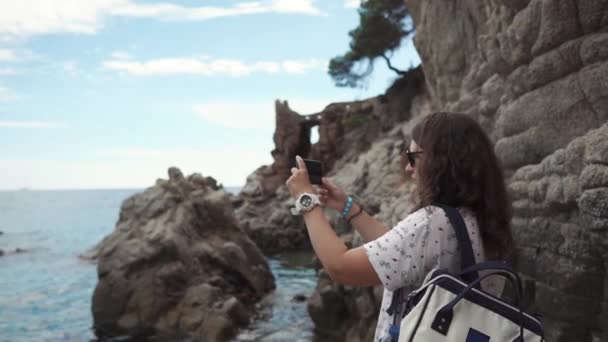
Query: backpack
{"points": [[453, 307]]}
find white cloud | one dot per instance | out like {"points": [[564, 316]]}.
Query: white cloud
{"points": [[309, 106], [25, 18], [7, 55], [300, 67], [32, 17], [168, 11], [268, 67], [206, 66], [254, 115], [30, 124], [352, 3], [16, 56], [295, 6]]}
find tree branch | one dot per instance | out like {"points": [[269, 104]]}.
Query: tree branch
{"points": [[390, 66]]}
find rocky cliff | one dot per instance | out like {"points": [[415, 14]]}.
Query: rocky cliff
{"points": [[360, 144], [177, 264], [345, 131], [534, 73]]}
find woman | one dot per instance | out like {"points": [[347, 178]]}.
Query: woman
{"points": [[453, 163]]}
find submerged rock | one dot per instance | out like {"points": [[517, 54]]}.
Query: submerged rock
{"points": [[177, 264], [13, 251], [299, 298]]}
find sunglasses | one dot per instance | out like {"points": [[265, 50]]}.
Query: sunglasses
{"points": [[411, 156]]}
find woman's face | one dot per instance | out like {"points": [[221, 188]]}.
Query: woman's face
{"points": [[416, 156]]}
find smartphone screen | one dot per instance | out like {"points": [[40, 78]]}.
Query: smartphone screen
{"points": [[315, 170]]}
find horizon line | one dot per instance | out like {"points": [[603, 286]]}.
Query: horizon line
{"points": [[92, 189]]}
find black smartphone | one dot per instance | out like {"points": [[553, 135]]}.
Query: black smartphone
{"points": [[315, 170]]}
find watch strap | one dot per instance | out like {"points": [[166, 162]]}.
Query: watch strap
{"points": [[299, 210]]}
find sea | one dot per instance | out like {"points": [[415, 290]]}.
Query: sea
{"points": [[46, 289]]}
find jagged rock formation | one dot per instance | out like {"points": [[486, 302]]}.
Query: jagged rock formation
{"points": [[360, 144], [177, 264], [345, 131], [534, 73]]}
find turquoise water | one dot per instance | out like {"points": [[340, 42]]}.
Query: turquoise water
{"points": [[45, 292], [288, 319]]}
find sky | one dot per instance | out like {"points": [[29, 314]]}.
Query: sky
{"points": [[110, 93]]}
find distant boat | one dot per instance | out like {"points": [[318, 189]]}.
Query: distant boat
{"points": [[24, 189]]}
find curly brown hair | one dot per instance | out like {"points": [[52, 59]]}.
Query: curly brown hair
{"points": [[459, 168]]}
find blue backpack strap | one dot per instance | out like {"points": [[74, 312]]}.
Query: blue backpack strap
{"points": [[466, 250], [467, 260], [396, 310]]}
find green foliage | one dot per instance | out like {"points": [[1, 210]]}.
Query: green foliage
{"points": [[356, 120], [382, 26]]}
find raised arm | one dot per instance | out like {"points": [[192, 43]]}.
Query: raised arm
{"points": [[335, 198], [351, 267], [369, 228]]}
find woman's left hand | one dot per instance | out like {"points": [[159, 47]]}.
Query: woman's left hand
{"points": [[299, 182]]}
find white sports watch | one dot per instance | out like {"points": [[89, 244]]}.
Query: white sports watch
{"points": [[305, 203]]}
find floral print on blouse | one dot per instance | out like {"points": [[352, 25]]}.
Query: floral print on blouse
{"points": [[424, 240]]}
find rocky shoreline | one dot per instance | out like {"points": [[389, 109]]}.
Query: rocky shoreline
{"points": [[178, 264]]}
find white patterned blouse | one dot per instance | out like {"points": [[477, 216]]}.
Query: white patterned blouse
{"points": [[424, 240]]}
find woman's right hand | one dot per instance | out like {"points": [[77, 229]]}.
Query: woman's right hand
{"points": [[331, 196]]}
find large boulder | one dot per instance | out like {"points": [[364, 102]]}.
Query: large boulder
{"points": [[177, 263]]}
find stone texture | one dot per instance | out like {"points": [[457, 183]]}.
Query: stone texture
{"points": [[345, 131], [568, 254], [535, 73], [359, 144], [177, 264]]}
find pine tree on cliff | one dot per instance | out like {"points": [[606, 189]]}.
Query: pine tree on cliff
{"points": [[383, 24]]}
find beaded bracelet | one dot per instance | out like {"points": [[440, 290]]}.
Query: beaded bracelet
{"points": [[347, 206], [355, 215]]}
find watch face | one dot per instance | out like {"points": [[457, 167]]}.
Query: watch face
{"points": [[306, 201]]}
